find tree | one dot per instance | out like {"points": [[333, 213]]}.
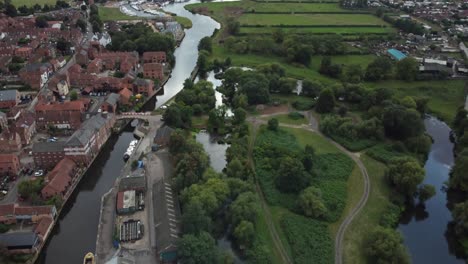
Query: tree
{"points": [[425, 192], [239, 116], [384, 245], [232, 26], [326, 101], [401, 123], [244, 233], [291, 175], [10, 10], [96, 26], [408, 102], [255, 87], [128, 45], [202, 64], [459, 175], [379, 69], [64, 46], [216, 120], [406, 174], [235, 169], [205, 44], [41, 22], [80, 23], [407, 69], [353, 73], [73, 95], [311, 203], [460, 218], [273, 124], [244, 208], [311, 88], [195, 219], [197, 249]]}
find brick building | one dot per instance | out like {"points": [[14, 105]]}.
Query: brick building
{"points": [[25, 126], [65, 115], [153, 71], [59, 179], [86, 142], [36, 74], [154, 57], [9, 164], [143, 86], [9, 98], [47, 154], [10, 141], [111, 103]]}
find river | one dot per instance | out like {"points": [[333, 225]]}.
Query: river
{"points": [[75, 232], [424, 228], [187, 54]]}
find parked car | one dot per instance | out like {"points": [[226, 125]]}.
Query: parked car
{"points": [[39, 173]]}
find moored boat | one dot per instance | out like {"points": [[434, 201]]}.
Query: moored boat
{"points": [[89, 259]]}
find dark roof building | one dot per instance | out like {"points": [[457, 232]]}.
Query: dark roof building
{"points": [[133, 183], [19, 240]]}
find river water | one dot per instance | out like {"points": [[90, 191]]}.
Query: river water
{"points": [[74, 235], [424, 228], [187, 54]]}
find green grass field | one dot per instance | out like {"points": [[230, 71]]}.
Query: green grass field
{"points": [[319, 30], [369, 217], [185, 22], [296, 7], [19, 3], [310, 19], [112, 14], [444, 96], [285, 119]]}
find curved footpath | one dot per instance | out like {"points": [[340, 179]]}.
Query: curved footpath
{"points": [[313, 127]]}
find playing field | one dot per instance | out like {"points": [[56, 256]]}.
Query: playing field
{"points": [[19, 3], [310, 19]]}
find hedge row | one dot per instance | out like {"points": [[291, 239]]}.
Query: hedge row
{"points": [[312, 26]]}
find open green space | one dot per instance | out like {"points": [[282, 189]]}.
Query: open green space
{"points": [[310, 19], [309, 240], [319, 30], [369, 217], [28, 3], [113, 13], [286, 119], [185, 22], [296, 7], [444, 96]]}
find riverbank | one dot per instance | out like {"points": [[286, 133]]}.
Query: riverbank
{"points": [[108, 219]]}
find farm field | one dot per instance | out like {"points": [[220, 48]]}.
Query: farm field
{"points": [[111, 14], [444, 96], [320, 30], [295, 7], [310, 19], [18, 3]]}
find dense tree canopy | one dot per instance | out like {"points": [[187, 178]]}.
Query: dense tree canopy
{"points": [[402, 123], [292, 176], [406, 175], [311, 203], [384, 246], [197, 249], [325, 102]]}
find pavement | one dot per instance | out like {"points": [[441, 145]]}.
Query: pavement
{"points": [[142, 251]]}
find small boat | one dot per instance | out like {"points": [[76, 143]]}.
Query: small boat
{"points": [[89, 259]]}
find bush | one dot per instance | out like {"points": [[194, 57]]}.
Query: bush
{"points": [[309, 239], [303, 105], [295, 115]]}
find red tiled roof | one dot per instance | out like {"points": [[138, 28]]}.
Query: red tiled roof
{"points": [[150, 54], [57, 185], [33, 210], [66, 106], [43, 225], [4, 158], [126, 93], [7, 209], [65, 166], [120, 196]]}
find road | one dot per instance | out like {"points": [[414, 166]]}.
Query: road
{"points": [[313, 127]]}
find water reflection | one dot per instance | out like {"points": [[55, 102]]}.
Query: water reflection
{"points": [[424, 227]]}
